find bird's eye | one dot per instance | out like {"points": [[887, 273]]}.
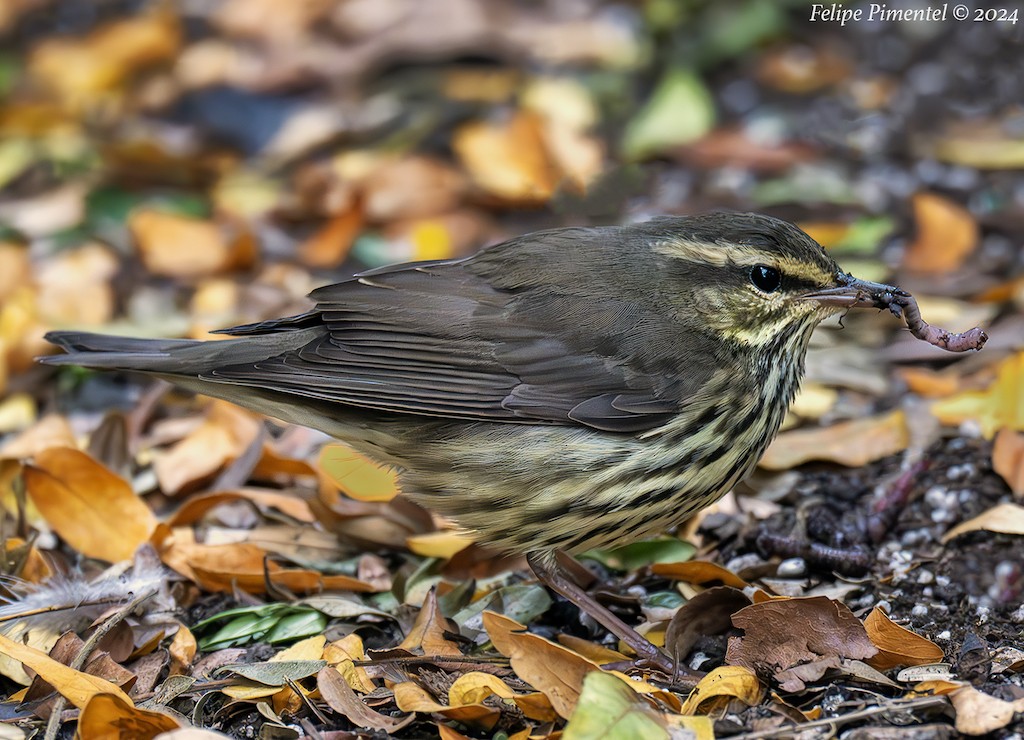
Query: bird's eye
{"points": [[766, 279]]}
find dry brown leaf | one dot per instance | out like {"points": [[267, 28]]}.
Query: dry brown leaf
{"points": [[853, 443], [929, 383], [699, 572], [412, 187], [107, 715], [552, 669], [180, 246], [708, 613], [77, 687], [1004, 518], [197, 506], [897, 646], [1008, 459], [182, 650], [49, 432], [92, 509], [74, 286], [946, 234], [330, 244], [340, 697], [797, 640], [428, 631], [225, 433], [977, 713], [717, 689], [508, 160], [591, 651], [800, 69]]}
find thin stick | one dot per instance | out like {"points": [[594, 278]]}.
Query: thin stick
{"points": [[53, 723]]}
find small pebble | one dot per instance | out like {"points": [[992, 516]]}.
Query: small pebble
{"points": [[944, 636], [925, 576], [750, 560], [792, 568], [942, 581], [983, 613], [884, 606], [919, 611], [698, 660], [1017, 617]]}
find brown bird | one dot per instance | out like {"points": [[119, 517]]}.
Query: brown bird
{"points": [[564, 390]]}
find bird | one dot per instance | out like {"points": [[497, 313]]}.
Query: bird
{"points": [[564, 390]]}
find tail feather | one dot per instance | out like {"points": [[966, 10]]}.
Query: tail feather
{"points": [[186, 357]]}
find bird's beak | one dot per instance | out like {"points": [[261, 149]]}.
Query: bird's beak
{"points": [[851, 292]]}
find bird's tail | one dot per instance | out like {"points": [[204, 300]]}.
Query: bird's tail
{"points": [[169, 357]]}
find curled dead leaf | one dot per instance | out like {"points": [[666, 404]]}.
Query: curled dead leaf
{"points": [[1004, 518], [897, 646], [717, 689], [107, 715], [853, 443], [946, 234]]}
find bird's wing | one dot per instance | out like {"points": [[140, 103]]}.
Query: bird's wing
{"points": [[440, 339]]}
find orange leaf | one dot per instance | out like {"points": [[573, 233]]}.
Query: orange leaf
{"points": [[183, 650], [1000, 405], [1008, 459], [699, 572], [179, 246], [946, 234], [897, 646], [852, 443], [107, 715], [508, 160], [197, 506], [428, 631], [50, 431], [92, 509], [329, 246]]}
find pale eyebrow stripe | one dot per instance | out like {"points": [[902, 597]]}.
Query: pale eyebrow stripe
{"points": [[740, 255]]}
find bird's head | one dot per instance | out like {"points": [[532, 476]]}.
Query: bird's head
{"points": [[758, 282]]}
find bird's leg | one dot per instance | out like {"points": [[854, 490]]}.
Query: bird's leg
{"points": [[552, 575]]}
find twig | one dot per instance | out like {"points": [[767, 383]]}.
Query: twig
{"points": [[53, 724], [921, 702]]}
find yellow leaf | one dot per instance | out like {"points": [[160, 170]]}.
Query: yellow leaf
{"points": [[700, 572], [357, 475], [721, 686], [110, 716], [439, 544], [77, 687], [608, 709], [507, 160], [1004, 518], [897, 646], [312, 648], [1008, 459], [852, 443], [92, 509], [1000, 405], [475, 686]]}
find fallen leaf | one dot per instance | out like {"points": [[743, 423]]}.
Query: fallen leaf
{"points": [[92, 509], [897, 646], [428, 633], [978, 713], [75, 286], [1008, 459], [708, 613], [1004, 518], [197, 506], [340, 697], [225, 433], [357, 475], [508, 160], [182, 651], [608, 708], [411, 187], [77, 687], [1000, 405], [946, 234], [173, 245], [552, 669], [799, 69], [716, 690], [982, 144], [410, 697], [797, 640], [679, 111], [699, 572], [50, 431], [852, 443], [443, 544], [329, 245], [107, 715]]}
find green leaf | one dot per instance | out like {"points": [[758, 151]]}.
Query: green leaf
{"points": [[646, 552], [679, 111], [608, 709], [864, 235], [274, 672], [238, 631], [305, 623]]}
